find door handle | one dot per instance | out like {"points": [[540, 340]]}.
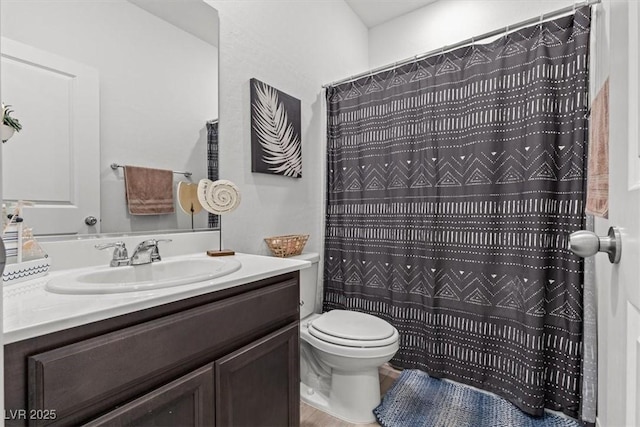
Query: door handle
{"points": [[587, 243]]}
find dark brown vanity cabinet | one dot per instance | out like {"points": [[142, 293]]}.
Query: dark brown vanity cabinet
{"points": [[229, 358]]}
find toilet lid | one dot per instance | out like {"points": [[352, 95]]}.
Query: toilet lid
{"points": [[346, 327]]}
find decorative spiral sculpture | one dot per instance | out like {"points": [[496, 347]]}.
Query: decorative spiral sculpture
{"points": [[218, 197]]}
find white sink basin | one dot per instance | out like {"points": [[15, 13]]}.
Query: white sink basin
{"points": [[156, 275]]}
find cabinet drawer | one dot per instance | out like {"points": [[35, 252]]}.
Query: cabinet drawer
{"points": [[93, 373]]}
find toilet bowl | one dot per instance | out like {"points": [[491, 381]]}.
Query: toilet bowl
{"points": [[340, 354]]}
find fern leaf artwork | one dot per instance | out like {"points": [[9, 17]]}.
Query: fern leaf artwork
{"points": [[276, 147]]}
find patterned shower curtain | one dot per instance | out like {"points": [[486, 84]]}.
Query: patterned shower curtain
{"points": [[453, 185], [212, 163]]}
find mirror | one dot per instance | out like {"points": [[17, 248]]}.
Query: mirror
{"points": [[93, 83]]}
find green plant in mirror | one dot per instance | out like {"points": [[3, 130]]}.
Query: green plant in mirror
{"points": [[12, 122]]}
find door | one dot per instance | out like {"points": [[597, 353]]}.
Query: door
{"points": [[54, 161], [187, 401], [259, 384], [618, 286]]}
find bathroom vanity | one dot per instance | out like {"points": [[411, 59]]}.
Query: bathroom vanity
{"points": [[217, 354]]}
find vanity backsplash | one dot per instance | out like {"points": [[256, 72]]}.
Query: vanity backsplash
{"points": [[66, 254]]}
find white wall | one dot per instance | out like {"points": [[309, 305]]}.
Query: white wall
{"points": [[295, 46], [158, 87], [447, 22]]}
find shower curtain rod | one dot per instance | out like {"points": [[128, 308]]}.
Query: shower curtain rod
{"points": [[467, 41]]}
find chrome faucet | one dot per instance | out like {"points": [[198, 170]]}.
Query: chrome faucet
{"points": [[120, 256], [147, 252]]}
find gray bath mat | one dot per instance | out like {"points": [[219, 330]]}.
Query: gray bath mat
{"points": [[418, 400]]}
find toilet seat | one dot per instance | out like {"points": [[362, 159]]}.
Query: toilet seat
{"points": [[352, 329]]}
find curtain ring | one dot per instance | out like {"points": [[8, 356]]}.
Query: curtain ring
{"points": [[372, 77]]}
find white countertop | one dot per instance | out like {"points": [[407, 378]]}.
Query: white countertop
{"points": [[30, 310]]}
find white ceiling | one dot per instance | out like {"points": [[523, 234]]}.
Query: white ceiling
{"points": [[193, 16], [375, 12], [199, 19]]}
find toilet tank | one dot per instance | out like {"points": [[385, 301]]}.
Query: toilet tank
{"points": [[308, 283]]}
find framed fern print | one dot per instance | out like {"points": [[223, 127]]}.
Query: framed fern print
{"points": [[276, 147]]}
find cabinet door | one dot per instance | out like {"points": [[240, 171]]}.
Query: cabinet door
{"points": [[259, 385], [187, 401]]}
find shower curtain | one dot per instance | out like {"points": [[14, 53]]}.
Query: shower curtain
{"points": [[453, 185], [212, 163]]}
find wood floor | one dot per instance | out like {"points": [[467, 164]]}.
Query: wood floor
{"points": [[311, 417]]}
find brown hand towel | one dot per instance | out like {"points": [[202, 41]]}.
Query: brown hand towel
{"points": [[598, 166], [149, 191]]}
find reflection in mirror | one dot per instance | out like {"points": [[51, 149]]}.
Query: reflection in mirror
{"points": [[132, 82]]}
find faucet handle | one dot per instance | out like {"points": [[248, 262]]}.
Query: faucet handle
{"points": [[155, 254], [110, 245], [120, 255], [151, 242]]}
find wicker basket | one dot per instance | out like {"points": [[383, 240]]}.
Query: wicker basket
{"points": [[286, 246]]}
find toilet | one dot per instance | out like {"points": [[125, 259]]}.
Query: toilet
{"points": [[340, 353]]}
